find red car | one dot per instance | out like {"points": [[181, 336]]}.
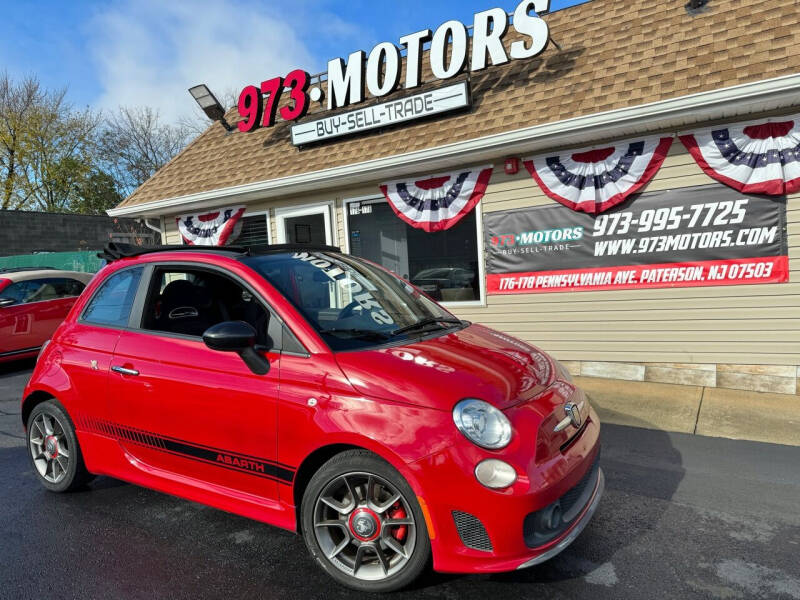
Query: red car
{"points": [[33, 302], [318, 392]]}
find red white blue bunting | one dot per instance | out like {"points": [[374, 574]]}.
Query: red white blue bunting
{"points": [[212, 228], [754, 158], [592, 181], [437, 202]]}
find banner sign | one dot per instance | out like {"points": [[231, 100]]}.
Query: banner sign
{"points": [[754, 158], [214, 228], [437, 202], [700, 236], [421, 105]]}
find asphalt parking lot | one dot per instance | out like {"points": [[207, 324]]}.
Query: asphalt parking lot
{"points": [[683, 517]]}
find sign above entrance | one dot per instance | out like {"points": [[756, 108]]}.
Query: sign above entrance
{"points": [[425, 104], [365, 76]]}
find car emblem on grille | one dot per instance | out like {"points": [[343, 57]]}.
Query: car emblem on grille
{"points": [[573, 412]]}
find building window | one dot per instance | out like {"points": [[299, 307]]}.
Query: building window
{"points": [[254, 232], [445, 264]]}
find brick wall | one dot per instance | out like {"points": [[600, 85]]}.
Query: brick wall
{"points": [[24, 232]]}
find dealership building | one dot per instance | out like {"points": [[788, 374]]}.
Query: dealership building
{"points": [[615, 182]]}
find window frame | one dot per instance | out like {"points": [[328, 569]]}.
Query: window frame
{"points": [[378, 198], [82, 317], [327, 208], [258, 213], [147, 281]]}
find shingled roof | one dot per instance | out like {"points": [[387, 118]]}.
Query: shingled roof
{"points": [[613, 55]]}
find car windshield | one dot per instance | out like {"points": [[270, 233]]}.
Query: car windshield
{"points": [[350, 302]]}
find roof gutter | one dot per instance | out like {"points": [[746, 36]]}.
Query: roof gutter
{"points": [[678, 112]]}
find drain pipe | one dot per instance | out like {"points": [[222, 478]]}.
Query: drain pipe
{"points": [[147, 224]]}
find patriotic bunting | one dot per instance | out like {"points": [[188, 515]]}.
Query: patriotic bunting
{"points": [[592, 181], [761, 158], [211, 229], [438, 202]]}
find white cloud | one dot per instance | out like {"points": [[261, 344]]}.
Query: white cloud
{"points": [[149, 52]]}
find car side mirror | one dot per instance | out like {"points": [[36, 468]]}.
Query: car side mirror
{"points": [[7, 302], [239, 337]]}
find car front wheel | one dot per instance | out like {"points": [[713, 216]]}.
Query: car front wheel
{"points": [[54, 450], [362, 523]]}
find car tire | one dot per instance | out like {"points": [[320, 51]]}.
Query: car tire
{"points": [[53, 449], [358, 489]]}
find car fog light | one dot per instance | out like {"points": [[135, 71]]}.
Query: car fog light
{"points": [[495, 473]]}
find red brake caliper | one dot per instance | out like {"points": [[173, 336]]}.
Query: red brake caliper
{"points": [[397, 512]]}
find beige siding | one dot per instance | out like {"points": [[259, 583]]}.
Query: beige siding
{"points": [[747, 324]]}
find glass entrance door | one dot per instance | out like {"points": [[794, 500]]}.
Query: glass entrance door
{"points": [[305, 225]]}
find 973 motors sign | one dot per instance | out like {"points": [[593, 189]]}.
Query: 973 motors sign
{"points": [[701, 236], [450, 52]]}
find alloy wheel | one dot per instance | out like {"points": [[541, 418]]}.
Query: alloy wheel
{"points": [[49, 447], [364, 526]]}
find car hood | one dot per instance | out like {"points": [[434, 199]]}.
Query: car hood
{"points": [[475, 362]]}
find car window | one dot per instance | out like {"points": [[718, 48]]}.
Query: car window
{"points": [[112, 302], [188, 301], [40, 290], [350, 302], [17, 291]]}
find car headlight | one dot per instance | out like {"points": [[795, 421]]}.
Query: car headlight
{"points": [[482, 424]]}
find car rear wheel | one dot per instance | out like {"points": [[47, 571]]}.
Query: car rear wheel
{"points": [[54, 450], [362, 523]]}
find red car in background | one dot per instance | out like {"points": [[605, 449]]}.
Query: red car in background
{"points": [[33, 302], [318, 392]]}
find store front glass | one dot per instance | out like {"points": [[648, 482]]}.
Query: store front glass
{"points": [[443, 264]]}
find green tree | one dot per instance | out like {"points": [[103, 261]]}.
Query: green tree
{"points": [[17, 103], [96, 193]]}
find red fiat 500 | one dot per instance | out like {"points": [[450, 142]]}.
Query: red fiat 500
{"points": [[320, 393]]}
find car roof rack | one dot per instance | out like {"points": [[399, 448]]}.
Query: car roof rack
{"points": [[257, 251], [23, 269], [116, 250]]}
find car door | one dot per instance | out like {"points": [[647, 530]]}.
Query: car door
{"points": [[189, 411], [15, 319], [87, 344], [40, 305]]}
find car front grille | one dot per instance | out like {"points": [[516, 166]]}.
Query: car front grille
{"points": [[471, 531], [543, 526]]}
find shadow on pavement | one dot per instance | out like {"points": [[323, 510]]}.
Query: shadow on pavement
{"points": [[130, 542]]}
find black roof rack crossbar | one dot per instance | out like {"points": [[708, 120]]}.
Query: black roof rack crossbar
{"points": [[294, 248], [116, 250]]}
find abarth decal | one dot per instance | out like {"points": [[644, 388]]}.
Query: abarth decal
{"points": [[222, 458]]}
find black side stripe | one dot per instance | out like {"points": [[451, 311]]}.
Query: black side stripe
{"points": [[241, 463]]}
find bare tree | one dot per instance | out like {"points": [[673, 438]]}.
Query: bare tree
{"points": [[134, 144], [17, 103]]}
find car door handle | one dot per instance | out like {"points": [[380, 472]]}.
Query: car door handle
{"points": [[124, 371]]}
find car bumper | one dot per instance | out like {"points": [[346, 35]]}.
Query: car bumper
{"points": [[579, 525], [477, 530]]}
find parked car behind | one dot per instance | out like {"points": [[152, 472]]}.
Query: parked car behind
{"points": [[446, 283], [33, 302]]}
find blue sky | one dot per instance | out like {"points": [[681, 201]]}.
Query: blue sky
{"points": [[135, 52]]}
